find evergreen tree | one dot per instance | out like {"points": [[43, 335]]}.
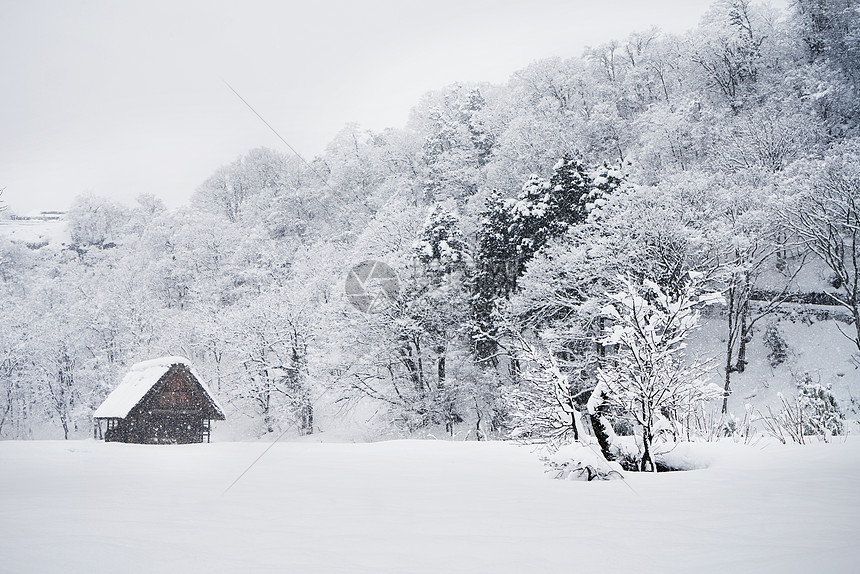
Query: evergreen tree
{"points": [[438, 307], [512, 231]]}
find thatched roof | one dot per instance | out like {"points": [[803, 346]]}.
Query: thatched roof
{"points": [[139, 380]]}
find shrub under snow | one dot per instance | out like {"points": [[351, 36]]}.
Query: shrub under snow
{"points": [[578, 461]]}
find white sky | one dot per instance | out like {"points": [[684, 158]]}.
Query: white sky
{"points": [[119, 98]]}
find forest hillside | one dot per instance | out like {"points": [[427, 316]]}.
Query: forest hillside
{"points": [[677, 212]]}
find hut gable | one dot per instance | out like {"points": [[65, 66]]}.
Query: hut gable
{"points": [[159, 401]]}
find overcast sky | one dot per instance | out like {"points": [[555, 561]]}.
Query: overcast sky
{"points": [[119, 98]]}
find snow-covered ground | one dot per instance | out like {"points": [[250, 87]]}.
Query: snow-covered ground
{"points": [[419, 506], [37, 229], [815, 348]]}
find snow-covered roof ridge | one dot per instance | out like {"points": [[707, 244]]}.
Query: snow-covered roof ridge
{"points": [[166, 362], [139, 379]]}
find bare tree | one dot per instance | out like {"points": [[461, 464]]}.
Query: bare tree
{"points": [[826, 220], [748, 242]]}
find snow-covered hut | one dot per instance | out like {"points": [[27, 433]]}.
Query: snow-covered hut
{"points": [[161, 401]]}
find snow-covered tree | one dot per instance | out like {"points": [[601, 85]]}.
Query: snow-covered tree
{"points": [[826, 219], [652, 232], [269, 338], [649, 380], [542, 407], [96, 221], [17, 400], [456, 144], [823, 416], [441, 302], [513, 230], [829, 73], [729, 47], [739, 242]]}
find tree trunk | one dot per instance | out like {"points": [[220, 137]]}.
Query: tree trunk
{"points": [[515, 369], [574, 414], [307, 418], [730, 339], [602, 436], [440, 366], [412, 368], [478, 432], [741, 362], [726, 390], [267, 418], [647, 454]]}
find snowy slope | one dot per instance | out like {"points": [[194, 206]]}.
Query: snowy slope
{"points": [[814, 346], [415, 507]]}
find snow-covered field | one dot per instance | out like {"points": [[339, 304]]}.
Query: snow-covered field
{"points": [[419, 506], [39, 229]]}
